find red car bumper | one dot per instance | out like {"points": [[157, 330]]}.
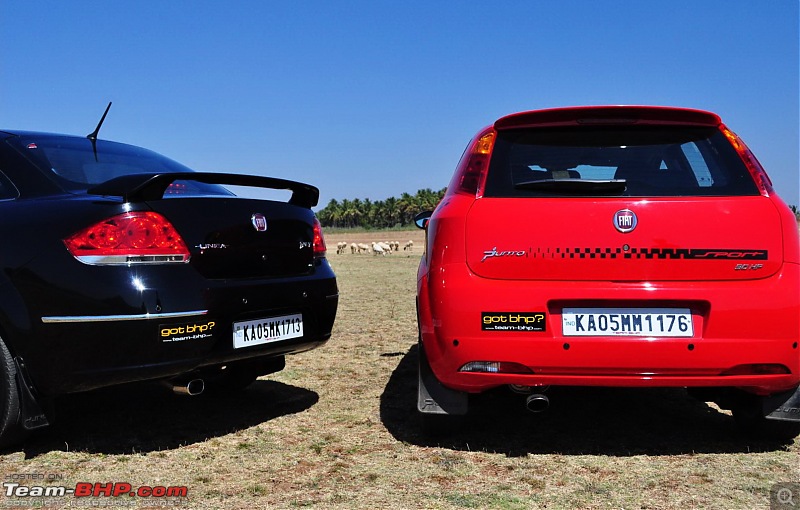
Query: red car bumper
{"points": [[745, 334]]}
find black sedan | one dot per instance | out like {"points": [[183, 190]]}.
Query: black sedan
{"points": [[121, 265]]}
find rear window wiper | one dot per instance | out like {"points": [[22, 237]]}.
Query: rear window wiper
{"points": [[588, 186]]}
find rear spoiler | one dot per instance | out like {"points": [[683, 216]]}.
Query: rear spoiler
{"points": [[609, 115], [142, 187]]}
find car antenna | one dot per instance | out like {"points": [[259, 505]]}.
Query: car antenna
{"points": [[93, 135]]}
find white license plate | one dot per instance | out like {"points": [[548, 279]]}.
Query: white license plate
{"points": [[663, 322], [264, 331]]}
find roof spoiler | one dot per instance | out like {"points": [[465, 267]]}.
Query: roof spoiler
{"points": [[142, 187], [609, 116]]}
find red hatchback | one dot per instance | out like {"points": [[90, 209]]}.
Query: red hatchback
{"points": [[611, 246]]}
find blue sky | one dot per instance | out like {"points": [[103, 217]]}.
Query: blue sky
{"points": [[370, 99]]}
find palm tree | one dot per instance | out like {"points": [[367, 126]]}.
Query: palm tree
{"points": [[379, 214]]}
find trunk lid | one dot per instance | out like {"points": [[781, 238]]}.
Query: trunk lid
{"points": [[228, 236], [242, 238]]}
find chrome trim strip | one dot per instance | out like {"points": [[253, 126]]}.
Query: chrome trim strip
{"points": [[130, 260], [114, 318]]}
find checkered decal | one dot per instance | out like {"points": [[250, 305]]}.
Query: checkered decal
{"points": [[651, 253]]}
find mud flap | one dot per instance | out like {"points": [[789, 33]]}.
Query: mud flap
{"points": [[432, 397], [783, 406], [31, 412]]}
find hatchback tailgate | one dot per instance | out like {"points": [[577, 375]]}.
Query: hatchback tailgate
{"points": [[711, 238]]}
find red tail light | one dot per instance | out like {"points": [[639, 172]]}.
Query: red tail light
{"points": [[753, 166], [129, 238], [320, 250], [471, 174]]}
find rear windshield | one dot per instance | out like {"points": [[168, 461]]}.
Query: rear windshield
{"points": [[641, 161], [77, 165]]}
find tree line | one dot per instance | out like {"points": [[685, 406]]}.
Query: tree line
{"points": [[392, 212]]}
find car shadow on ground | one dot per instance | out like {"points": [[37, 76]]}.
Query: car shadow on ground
{"points": [[580, 421], [146, 417]]}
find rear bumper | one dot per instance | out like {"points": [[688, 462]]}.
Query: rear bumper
{"points": [[178, 325], [736, 325]]}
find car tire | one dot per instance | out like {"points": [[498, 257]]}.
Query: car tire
{"points": [[11, 430]]}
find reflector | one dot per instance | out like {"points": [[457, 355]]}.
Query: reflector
{"points": [[495, 367], [758, 369]]}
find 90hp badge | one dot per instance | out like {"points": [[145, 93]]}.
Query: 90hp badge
{"points": [[625, 220], [259, 222]]}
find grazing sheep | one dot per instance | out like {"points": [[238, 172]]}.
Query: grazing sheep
{"points": [[387, 248], [341, 247], [377, 248], [363, 248], [409, 246], [353, 247]]}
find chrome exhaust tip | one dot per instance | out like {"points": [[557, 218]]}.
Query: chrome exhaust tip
{"points": [[536, 403], [192, 387]]}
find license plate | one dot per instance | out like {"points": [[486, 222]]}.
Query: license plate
{"points": [[663, 322], [264, 331]]}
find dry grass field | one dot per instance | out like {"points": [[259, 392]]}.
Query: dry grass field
{"points": [[337, 429]]}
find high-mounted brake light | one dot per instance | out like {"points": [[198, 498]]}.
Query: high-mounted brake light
{"points": [[320, 250], [129, 238], [471, 174], [748, 158]]}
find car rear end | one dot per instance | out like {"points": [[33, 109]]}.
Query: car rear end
{"points": [[160, 272], [611, 246]]}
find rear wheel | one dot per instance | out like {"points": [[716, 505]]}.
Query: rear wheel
{"points": [[11, 430]]}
